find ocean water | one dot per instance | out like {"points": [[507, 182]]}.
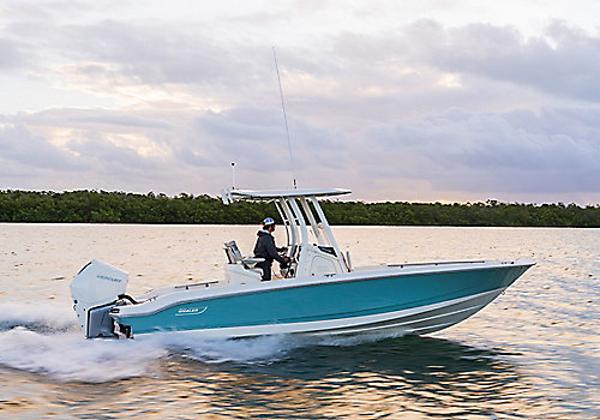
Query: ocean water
{"points": [[533, 353]]}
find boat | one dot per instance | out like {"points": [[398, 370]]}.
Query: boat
{"points": [[318, 293]]}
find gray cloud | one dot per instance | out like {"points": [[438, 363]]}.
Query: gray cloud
{"points": [[563, 60], [256, 138], [555, 151], [517, 151], [11, 55], [472, 110], [73, 117], [18, 144], [107, 157], [86, 150], [156, 54]]}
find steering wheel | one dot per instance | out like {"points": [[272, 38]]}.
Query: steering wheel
{"points": [[290, 269]]}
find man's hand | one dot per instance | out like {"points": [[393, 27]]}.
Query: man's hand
{"points": [[285, 263]]}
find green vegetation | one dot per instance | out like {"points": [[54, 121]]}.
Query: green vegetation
{"points": [[118, 207]]}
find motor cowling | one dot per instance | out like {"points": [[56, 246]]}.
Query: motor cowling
{"points": [[95, 290]]}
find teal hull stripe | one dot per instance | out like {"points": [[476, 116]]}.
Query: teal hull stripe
{"points": [[325, 301]]}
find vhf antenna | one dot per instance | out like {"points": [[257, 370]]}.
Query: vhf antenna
{"points": [[287, 130]]}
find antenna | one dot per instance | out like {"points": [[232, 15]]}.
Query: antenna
{"points": [[233, 175], [287, 130]]}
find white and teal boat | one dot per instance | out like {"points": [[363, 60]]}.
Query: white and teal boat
{"points": [[320, 293]]}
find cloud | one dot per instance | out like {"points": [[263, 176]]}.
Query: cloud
{"points": [[155, 54], [412, 111], [556, 150], [563, 60], [73, 117], [102, 145], [18, 144], [424, 57], [551, 153], [11, 55]]}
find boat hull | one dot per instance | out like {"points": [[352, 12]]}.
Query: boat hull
{"points": [[414, 303]]}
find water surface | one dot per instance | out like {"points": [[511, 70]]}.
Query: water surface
{"points": [[533, 353]]}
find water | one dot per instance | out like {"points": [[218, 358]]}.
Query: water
{"points": [[533, 353]]}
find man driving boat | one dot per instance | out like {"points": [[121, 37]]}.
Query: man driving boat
{"points": [[265, 248]]}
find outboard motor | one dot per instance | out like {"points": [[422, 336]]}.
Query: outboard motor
{"points": [[95, 290]]}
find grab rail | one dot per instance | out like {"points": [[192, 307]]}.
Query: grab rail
{"points": [[204, 283], [437, 263]]}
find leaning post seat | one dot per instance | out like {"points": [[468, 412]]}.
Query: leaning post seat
{"points": [[234, 255]]}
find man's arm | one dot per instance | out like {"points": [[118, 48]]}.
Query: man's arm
{"points": [[272, 251]]}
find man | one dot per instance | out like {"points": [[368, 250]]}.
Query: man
{"points": [[265, 248]]}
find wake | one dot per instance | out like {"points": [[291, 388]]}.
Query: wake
{"points": [[46, 340]]}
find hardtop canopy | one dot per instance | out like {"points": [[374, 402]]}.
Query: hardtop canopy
{"points": [[229, 195]]}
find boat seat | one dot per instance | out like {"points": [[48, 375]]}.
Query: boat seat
{"points": [[250, 262], [234, 255]]}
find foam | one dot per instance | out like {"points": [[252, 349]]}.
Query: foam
{"points": [[45, 339], [249, 351], [357, 339], [38, 316], [70, 357]]}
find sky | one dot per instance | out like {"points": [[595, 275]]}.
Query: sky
{"points": [[424, 100]]}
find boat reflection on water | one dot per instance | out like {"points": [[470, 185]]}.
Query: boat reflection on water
{"points": [[396, 375], [411, 376]]}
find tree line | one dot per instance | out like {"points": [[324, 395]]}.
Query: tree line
{"points": [[121, 207]]}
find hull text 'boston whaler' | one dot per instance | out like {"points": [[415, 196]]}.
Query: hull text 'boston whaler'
{"points": [[319, 292]]}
